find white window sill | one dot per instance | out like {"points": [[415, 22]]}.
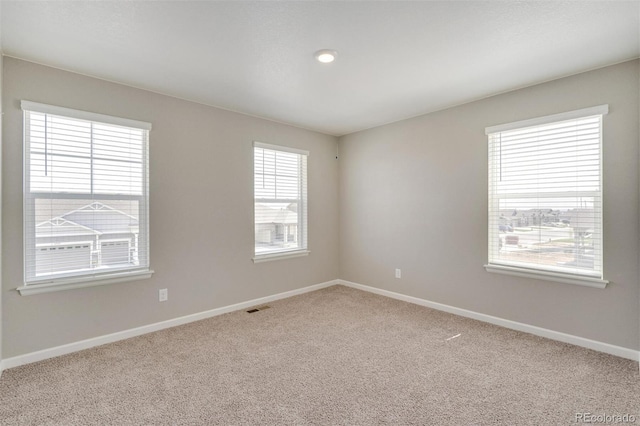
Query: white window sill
{"points": [[279, 256], [547, 276], [82, 282]]}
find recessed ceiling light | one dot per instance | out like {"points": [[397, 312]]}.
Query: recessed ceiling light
{"points": [[326, 56]]}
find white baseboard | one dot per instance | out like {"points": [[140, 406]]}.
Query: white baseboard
{"points": [[133, 332], [126, 334], [531, 329]]}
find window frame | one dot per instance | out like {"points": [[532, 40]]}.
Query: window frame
{"points": [[529, 270], [303, 224], [90, 278]]}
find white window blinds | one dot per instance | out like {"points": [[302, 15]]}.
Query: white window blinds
{"points": [[545, 194], [280, 196], [85, 195]]}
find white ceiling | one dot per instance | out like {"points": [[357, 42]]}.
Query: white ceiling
{"points": [[396, 59]]}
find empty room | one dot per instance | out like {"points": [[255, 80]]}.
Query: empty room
{"points": [[320, 212]]}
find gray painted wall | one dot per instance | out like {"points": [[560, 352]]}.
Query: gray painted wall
{"points": [[1, 290], [201, 177], [413, 195]]}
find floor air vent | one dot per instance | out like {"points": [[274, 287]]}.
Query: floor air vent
{"points": [[259, 308]]}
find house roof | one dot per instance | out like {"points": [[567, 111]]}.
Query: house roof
{"points": [[102, 218], [265, 215], [58, 227]]}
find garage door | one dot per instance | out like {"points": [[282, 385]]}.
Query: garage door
{"points": [[115, 252], [58, 258]]}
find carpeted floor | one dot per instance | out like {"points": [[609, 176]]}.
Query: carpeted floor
{"points": [[334, 356]]}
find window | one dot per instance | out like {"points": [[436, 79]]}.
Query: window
{"points": [[545, 197], [85, 198], [280, 201]]}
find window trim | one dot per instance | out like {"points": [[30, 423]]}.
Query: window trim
{"points": [[546, 276], [83, 115], [282, 148], [290, 253], [280, 255], [532, 272], [83, 282], [548, 119], [90, 279]]}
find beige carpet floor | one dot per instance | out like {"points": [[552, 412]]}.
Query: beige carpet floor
{"points": [[331, 357]]}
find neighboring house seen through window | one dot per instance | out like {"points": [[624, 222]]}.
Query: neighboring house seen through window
{"points": [[85, 197], [545, 197], [280, 196]]}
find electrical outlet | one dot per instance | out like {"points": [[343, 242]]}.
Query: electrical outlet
{"points": [[398, 273], [163, 295]]}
